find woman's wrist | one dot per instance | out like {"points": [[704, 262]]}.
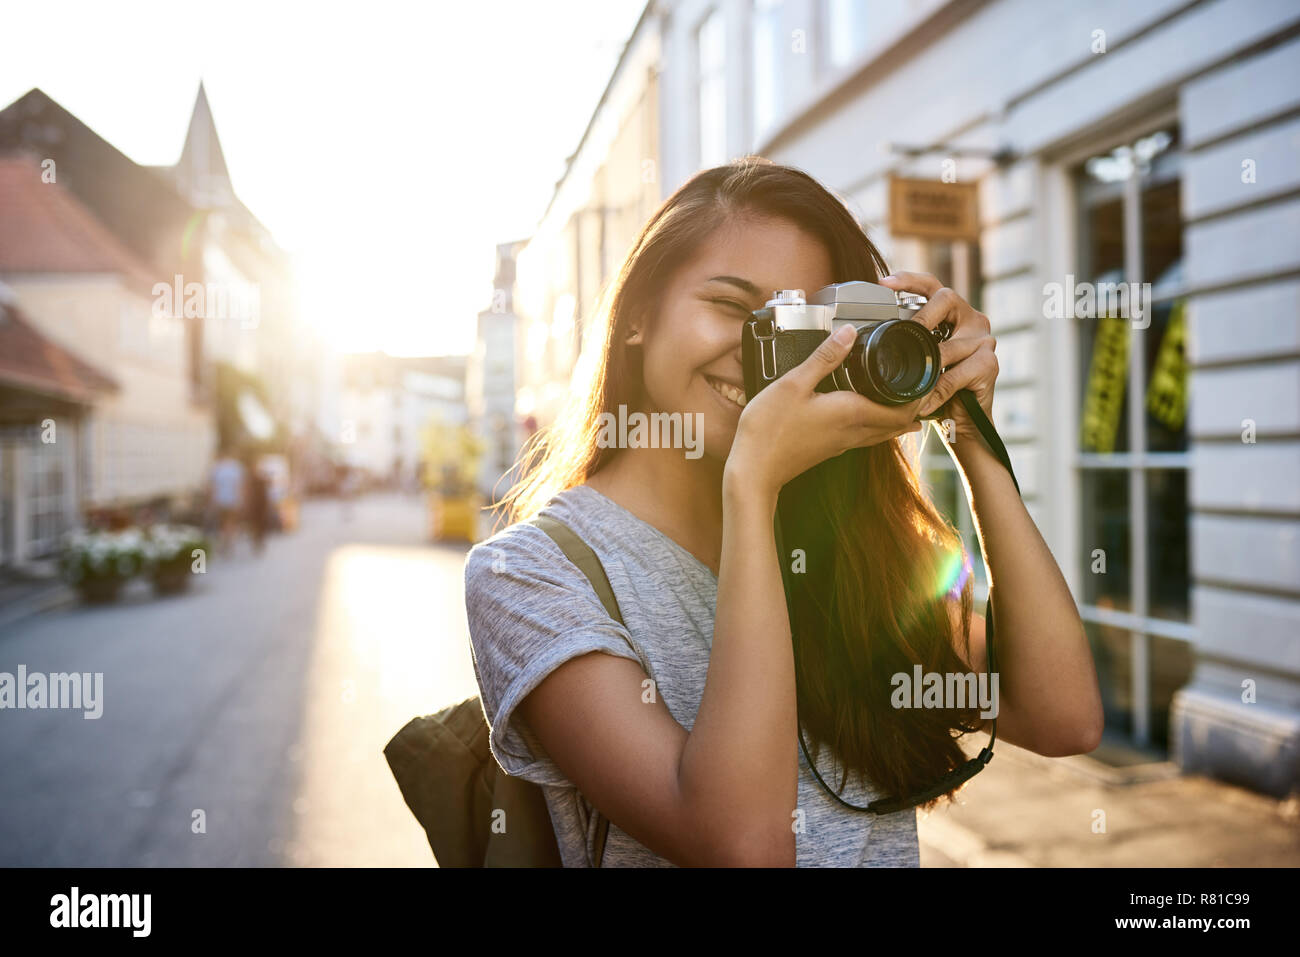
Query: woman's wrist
{"points": [[969, 449], [745, 490], [980, 467]]}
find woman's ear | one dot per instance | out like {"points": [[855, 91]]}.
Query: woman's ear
{"points": [[633, 336]]}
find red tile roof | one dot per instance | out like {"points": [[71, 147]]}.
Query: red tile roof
{"points": [[33, 363], [44, 228]]}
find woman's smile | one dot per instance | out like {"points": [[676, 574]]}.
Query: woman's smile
{"points": [[729, 392]]}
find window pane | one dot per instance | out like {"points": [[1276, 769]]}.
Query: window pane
{"points": [[1165, 345], [1162, 235], [846, 29], [1164, 342], [767, 63], [1103, 342], [1167, 565], [711, 60], [1105, 541], [1103, 242], [1112, 654], [1172, 662], [1103, 380]]}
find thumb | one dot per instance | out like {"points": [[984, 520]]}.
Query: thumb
{"points": [[826, 358]]}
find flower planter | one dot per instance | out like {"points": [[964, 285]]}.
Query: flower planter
{"points": [[171, 581], [99, 563], [99, 591]]}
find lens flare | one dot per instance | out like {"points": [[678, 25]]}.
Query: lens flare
{"points": [[956, 570]]}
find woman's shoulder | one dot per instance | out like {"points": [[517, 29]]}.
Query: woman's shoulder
{"points": [[520, 541], [523, 546]]}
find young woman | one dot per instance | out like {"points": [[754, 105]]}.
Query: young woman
{"points": [[682, 725]]}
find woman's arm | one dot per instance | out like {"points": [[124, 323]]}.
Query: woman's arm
{"points": [[738, 763], [1049, 701]]}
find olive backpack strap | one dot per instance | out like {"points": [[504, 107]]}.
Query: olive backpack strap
{"points": [[580, 553]]}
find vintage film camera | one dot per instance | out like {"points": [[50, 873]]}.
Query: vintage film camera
{"points": [[894, 360]]}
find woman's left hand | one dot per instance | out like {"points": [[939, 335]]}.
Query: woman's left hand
{"points": [[967, 354]]}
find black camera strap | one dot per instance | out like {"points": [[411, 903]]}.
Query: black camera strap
{"points": [[959, 775]]}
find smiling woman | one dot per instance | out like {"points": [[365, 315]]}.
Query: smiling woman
{"points": [[680, 725]]}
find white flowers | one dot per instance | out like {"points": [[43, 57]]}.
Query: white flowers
{"points": [[166, 543], [123, 553]]}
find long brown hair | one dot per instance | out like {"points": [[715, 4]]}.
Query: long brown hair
{"points": [[870, 603]]}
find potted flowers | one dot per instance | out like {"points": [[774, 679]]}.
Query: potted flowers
{"points": [[97, 563], [169, 556]]}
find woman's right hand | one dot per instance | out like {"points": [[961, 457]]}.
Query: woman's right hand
{"points": [[789, 427]]}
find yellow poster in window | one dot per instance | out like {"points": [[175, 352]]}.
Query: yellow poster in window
{"points": [[1104, 400], [1167, 393]]}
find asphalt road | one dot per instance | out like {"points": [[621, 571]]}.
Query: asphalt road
{"points": [[263, 699]]}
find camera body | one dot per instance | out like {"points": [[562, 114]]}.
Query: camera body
{"points": [[894, 360]]}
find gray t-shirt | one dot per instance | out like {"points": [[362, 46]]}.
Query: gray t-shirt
{"points": [[530, 610]]}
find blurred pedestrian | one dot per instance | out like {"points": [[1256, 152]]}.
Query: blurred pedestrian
{"points": [[349, 485], [226, 493], [257, 512]]}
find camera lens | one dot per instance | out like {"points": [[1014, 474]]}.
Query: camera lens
{"points": [[890, 362], [893, 362]]}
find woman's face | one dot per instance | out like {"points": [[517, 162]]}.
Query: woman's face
{"points": [[691, 349]]}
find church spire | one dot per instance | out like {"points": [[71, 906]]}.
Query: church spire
{"points": [[202, 171]]}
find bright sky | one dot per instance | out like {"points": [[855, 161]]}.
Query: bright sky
{"points": [[388, 145]]}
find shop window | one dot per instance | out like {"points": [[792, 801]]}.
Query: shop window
{"points": [[46, 492], [1132, 437]]}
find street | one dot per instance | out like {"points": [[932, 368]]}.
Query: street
{"points": [[253, 710]]}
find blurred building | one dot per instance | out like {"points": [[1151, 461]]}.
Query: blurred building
{"points": [[83, 290], [1047, 146], [611, 185], [47, 400], [263, 334], [207, 260], [491, 380], [386, 402]]}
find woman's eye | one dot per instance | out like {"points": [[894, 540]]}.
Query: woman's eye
{"points": [[731, 304]]}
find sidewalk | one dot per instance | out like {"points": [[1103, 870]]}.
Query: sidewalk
{"points": [[24, 595], [1025, 810]]}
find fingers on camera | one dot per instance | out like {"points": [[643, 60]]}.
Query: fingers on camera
{"points": [[943, 304], [923, 283], [956, 349]]}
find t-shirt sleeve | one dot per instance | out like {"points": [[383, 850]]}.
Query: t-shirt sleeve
{"points": [[530, 610]]}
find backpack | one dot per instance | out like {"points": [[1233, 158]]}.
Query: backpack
{"points": [[453, 785]]}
